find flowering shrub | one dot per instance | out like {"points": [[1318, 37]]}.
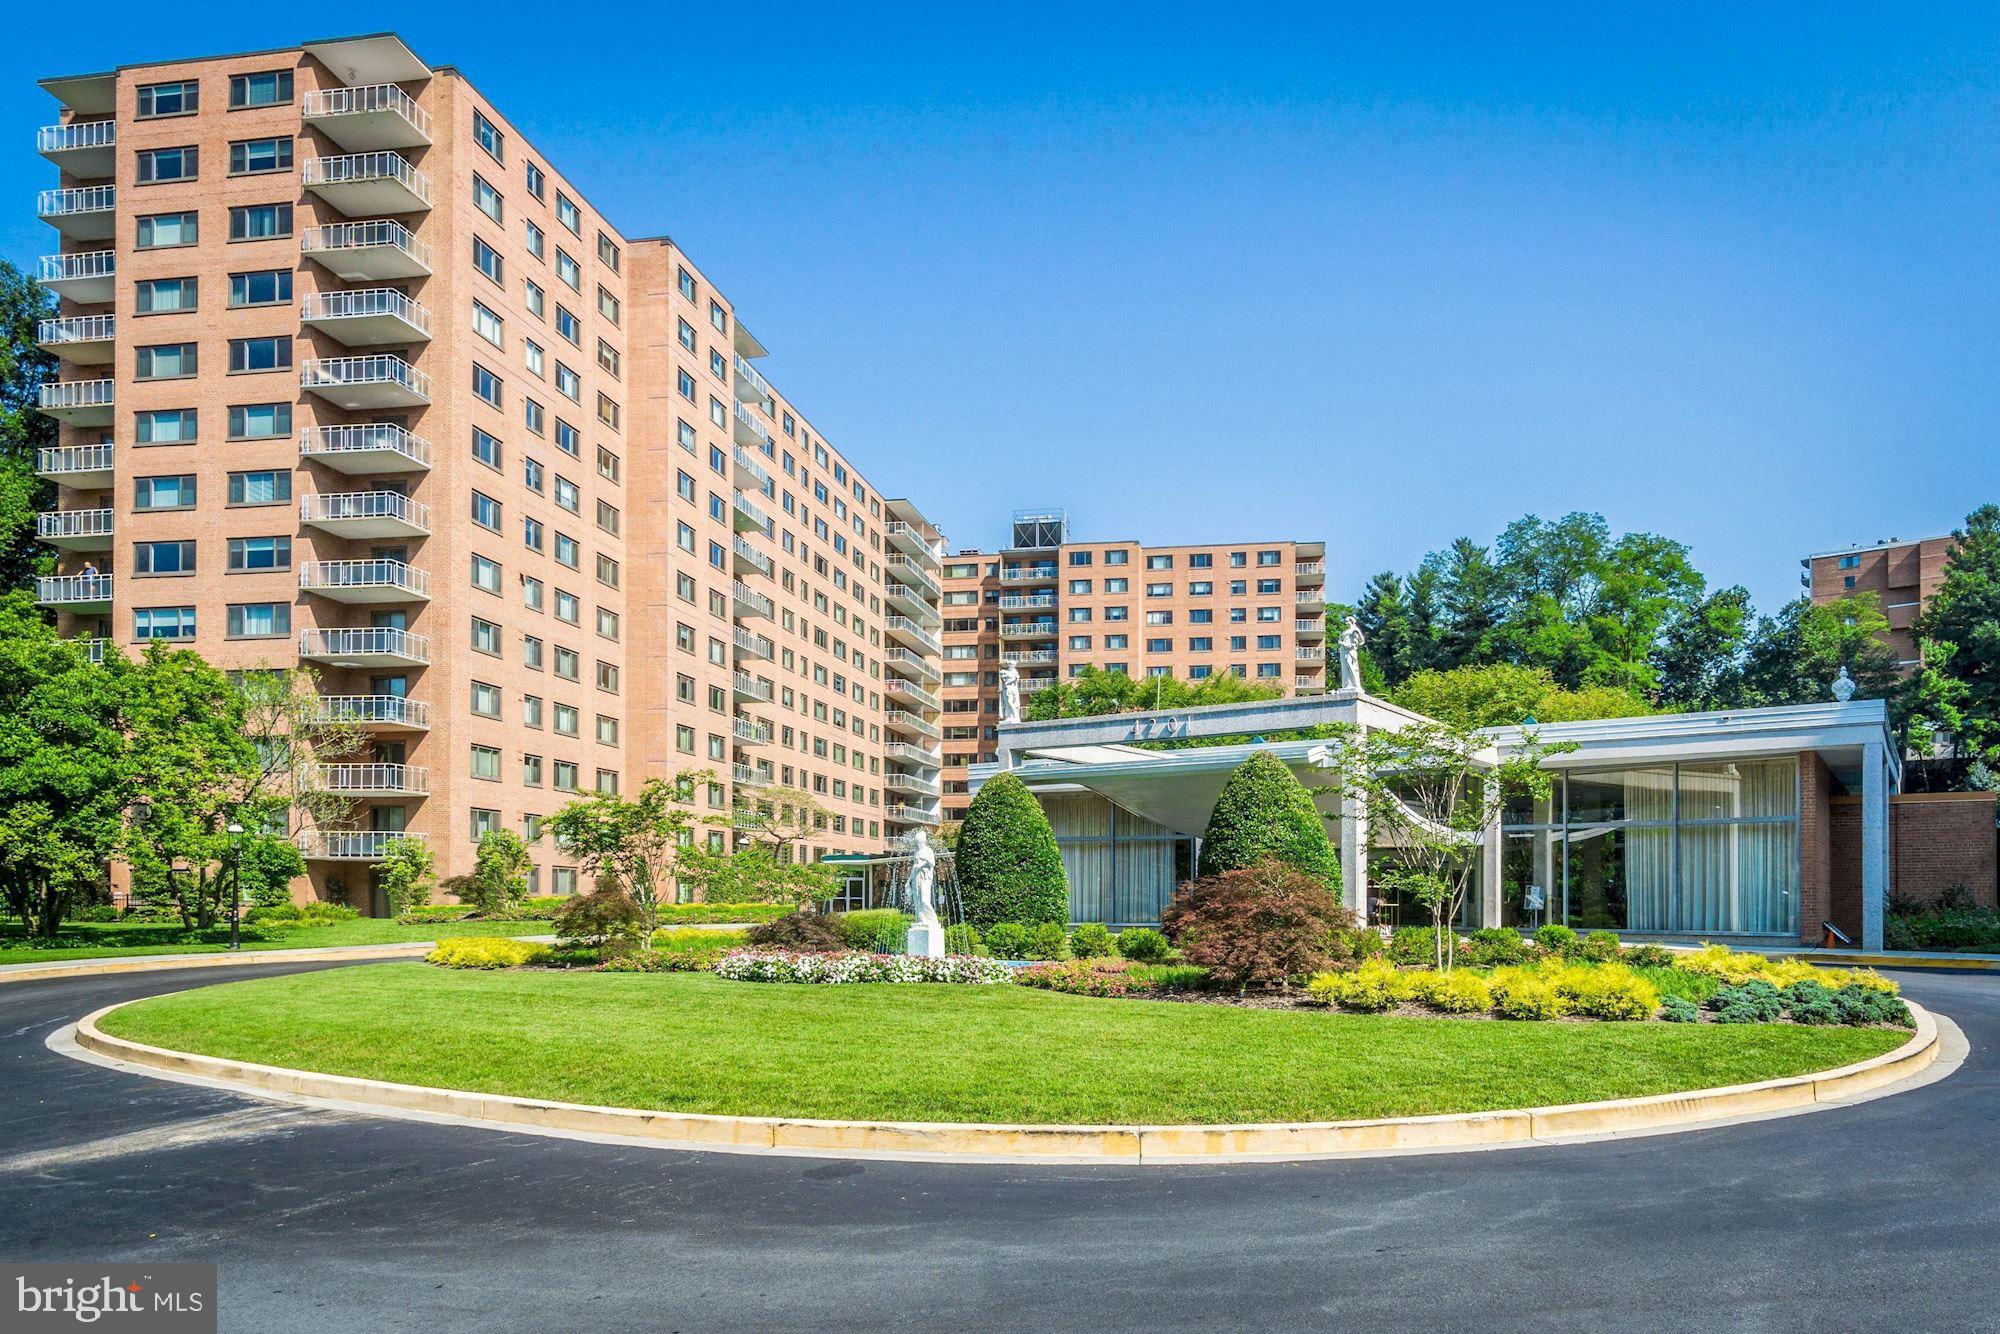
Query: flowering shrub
{"points": [[1099, 976], [486, 952], [838, 966]]}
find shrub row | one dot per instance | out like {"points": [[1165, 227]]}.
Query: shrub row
{"points": [[753, 965], [1100, 976], [1808, 1001], [1729, 966], [486, 952], [1599, 991]]}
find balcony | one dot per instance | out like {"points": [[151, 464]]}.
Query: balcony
{"points": [[749, 560], [911, 665], [1028, 630], [1028, 574], [910, 540], [1310, 654], [750, 732], [372, 780], [748, 687], [87, 278], [1310, 572], [750, 644], [365, 646], [94, 649], [1032, 685], [86, 149], [749, 431], [78, 402], [375, 251], [75, 530], [910, 724], [911, 603], [382, 712], [748, 517], [370, 581], [74, 592], [85, 213], [367, 119], [904, 753], [370, 317], [904, 813], [912, 633], [366, 384], [81, 340], [749, 471], [1312, 597], [350, 845], [365, 451], [896, 782], [1312, 629], [904, 571], [751, 386], [909, 692], [747, 775], [85, 467], [749, 602], [363, 185], [354, 514], [1027, 601], [1027, 657]]}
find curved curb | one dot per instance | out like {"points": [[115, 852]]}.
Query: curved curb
{"points": [[160, 963], [1127, 1145]]}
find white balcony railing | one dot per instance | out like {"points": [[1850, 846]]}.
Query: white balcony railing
{"points": [[904, 753], [366, 778], [71, 395], [1026, 601], [747, 460], [750, 776], [1028, 630], [915, 575], [750, 510], [380, 710], [756, 559], [750, 732], [353, 372], [1029, 574], [1310, 567], [70, 460], [78, 199], [1311, 655], [62, 590], [914, 663], [1308, 627], [76, 329], [59, 525], [79, 266], [368, 438], [912, 691], [760, 433], [364, 99], [366, 303], [368, 641], [380, 234], [756, 645], [911, 722], [1311, 597], [903, 813], [75, 135], [751, 688], [350, 845], [364, 168], [750, 601], [1029, 656], [915, 630], [323, 576], [336, 506]]}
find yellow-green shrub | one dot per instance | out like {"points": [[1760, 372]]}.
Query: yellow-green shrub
{"points": [[1457, 992], [1604, 991], [1375, 986], [1521, 994], [1734, 968], [486, 952]]}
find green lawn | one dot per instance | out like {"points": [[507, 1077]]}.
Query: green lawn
{"points": [[94, 940], [694, 1042]]}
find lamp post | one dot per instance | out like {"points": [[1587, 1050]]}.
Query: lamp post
{"points": [[235, 889]]}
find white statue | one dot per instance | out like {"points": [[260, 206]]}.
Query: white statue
{"points": [[1010, 693], [926, 936], [1843, 686], [1351, 640]]}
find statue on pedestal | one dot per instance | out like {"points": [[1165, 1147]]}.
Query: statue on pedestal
{"points": [[1351, 640], [926, 937], [1010, 693], [1843, 685]]}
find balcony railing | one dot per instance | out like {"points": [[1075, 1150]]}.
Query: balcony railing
{"points": [[350, 845], [76, 329], [748, 425], [68, 525], [1027, 601], [903, 625], [75, 395], [910, 783], [334, 576], [382, 248], [359, 169], [1309, 627], [752, 643], [748, 511], [76, 135], [360, 373], [362, 779], [93, 268], [60, 461], [364, 100], [66, 590], [385, 303], [749, 601], [1311, 655], [904, 813], [904, 753], [750, 732], [752, 557], [341, 506], [81, 199], [749, 687], [363, 642], [907, 721], [376, 710], [748, 464], [1029, 656], [749, 379], [910, 690], [915, 575], [343, 445], [1029, 574], [1311, 597], [1028, 630], [904, 660], [750, 776]]}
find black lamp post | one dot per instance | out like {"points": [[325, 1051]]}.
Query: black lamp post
{"points": [[235, 889]]}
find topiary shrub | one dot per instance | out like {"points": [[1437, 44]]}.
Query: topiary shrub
{"points": [[1264, 814], [1556, 938], [1007, 940], [809, 933], [596, 917], [1678, 1010], [1009, 868], [1142, 944], [1046, 940], [1268, 925], [1091, 940], [962, 939]]}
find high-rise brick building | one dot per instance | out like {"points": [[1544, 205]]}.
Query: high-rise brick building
{"points": [[1902, 575], [353, 377], [1053, 606]]}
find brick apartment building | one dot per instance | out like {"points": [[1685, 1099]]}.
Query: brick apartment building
{"points": [[1053, 607], [1903, 575], [351, 377]]}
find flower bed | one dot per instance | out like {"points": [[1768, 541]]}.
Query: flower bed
{"points": [[1113, 977], [854, 966]]}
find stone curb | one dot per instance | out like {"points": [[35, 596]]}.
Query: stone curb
{"points": [[1131, 1145], [157, 963]]}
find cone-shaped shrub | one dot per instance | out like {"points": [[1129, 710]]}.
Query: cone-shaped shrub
{"points": [[1008, 867], [1265, 814]]}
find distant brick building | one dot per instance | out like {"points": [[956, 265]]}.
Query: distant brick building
{"points": [[1903, 575]]}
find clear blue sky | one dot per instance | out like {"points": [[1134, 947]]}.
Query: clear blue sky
{"points": [[1383, 275]]}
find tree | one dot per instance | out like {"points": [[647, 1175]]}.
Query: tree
{"points": [[1794, 656], [1469, 595], [755, 873], [23, 430], [1264, 814], [787, 818], [1699, 647], [406, 873], [1432, 793], [1504, 695], [1096, 692], [1268, 924], [499, 878], [633, 842], [1959, 687], [1384, 616], [1009, 867], [66, 767], [265, 866]]}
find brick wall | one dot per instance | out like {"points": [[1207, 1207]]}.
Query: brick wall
{"points": [[1936, 839], [1815, 847]]}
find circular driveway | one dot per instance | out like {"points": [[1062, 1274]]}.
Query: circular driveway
{"points": [[1877, 1215]]}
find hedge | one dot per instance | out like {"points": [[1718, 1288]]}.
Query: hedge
{"points": [[1009, 869], [1264, 814]]}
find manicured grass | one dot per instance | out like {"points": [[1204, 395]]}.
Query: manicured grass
{"points": [[92, 940], [694, 1042]]}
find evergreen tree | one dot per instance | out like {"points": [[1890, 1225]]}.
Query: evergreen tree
{"points": [[1009, 868], [1959, 688], [23, 430], [1384, 617], [1469, 598], [1265, 814]]}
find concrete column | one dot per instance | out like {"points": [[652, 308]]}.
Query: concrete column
{"points": [[1354, 855], [1489, 866], [1874, 842]]}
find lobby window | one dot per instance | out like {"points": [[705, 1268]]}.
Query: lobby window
{"points": [[267, 88]]}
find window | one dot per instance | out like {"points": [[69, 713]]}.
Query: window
{"points": [[607, 517], [485, 573], [1117, 557], [569, 666], [531, 533], [486, 199], [568, 439], [531, 775], [568, 214], [260, 354], [569, 609], [567, 551], [568, 271], [163, 622], [267, 287], [485, 636], [163, 493], [566, 772], [489, 137], [568, 383], [567, 495], [169, 164], [568, 325], [533, 357], [260, 488], [162, 230], [533, 474], [486, 765], [259, 553], [260, 421], [537, 181], [486, 385], [259, 620], [607, 252], [718, 317], [1159, 562], [488, 325], [260, 222], [486, 448], [607, 464], [531, 710], [485, 699], [159, 296], [609, 307], [169, 99], [167, 361], [566, 719], [537, 299], [271, 88], [163, 557], [485, 511], [248, 157], [487, 260]]}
